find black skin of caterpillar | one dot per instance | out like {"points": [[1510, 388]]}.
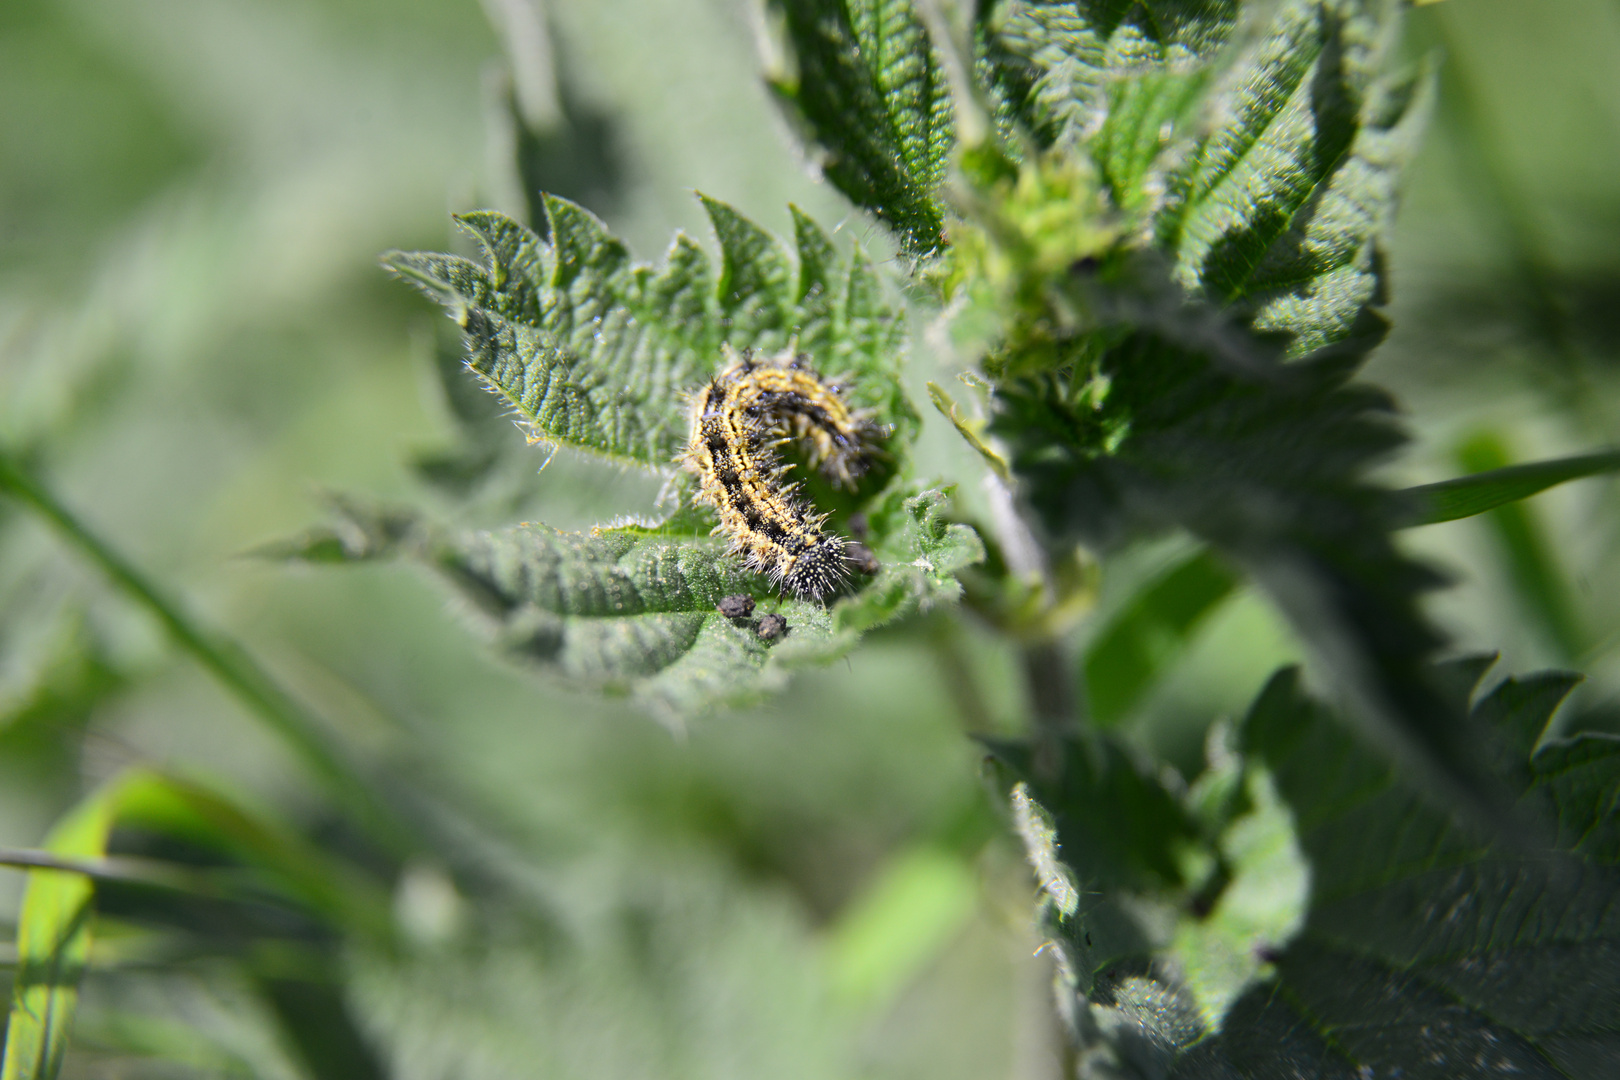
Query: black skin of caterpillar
{"points": [[738, 419]]}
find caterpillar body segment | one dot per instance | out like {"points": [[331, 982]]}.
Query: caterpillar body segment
{"points": [[738, 421]]}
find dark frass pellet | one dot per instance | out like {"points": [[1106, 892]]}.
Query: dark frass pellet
{"points": [[861, 558], [772, 628], [739, 606]]}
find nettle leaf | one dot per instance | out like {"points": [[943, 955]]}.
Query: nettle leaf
{"points": [[1122, 79], [869, 89], [1267, 466], [1107, 841], [920, 552], [1284, 208], [1416, 945], [599, 353], [1428, 949], [1157, 899], [1117, 822], [627, 611], [1278, 211], [1130, 406], [633, 610], [1157, 902], [1123, 1012]]}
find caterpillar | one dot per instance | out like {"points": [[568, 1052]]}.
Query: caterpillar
{"points": [[738, 419]]}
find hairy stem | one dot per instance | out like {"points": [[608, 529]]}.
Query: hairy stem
{"points": [[1053, 703], [955, 668]]}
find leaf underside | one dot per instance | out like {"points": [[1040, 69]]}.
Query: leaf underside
{"points": [[634, 611]]}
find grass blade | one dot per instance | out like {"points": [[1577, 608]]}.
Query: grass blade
{"points": [[1466, 496], [1131, 654], [55, 926]]}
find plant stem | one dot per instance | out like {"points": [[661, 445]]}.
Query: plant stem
{"points": [[956, 672], [1053, 704], [224, 658], [122, 869]]}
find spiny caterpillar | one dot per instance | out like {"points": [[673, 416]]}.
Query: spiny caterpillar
{"points": [[738, 420]]}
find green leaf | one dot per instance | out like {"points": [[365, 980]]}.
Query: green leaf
{"points": [[53, 948], [1430, 949], [1254, 900], [1146, 127], [1157, 908], [594, 351], [633, 610], [1135, 399], [1531, 564], [869, 89], [1118, 825], [1118, 1006], [55, 926], [1421, 946], [628, 613], [920, 552], [1128, 655], [1102, 833], [1265, 463], [1123, 80], [1285, 207], [1466, 496], [972, 431]]}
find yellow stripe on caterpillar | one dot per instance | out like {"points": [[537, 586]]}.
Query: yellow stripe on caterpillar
{"points": [[738, 421]]}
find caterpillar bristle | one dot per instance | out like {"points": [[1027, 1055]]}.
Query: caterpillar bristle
{"points": [[739, 421]]}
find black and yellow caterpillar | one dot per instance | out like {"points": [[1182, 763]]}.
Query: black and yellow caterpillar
{"points": [[738, 420]]}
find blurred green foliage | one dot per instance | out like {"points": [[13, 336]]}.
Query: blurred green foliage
{"points": [[196, 340]]}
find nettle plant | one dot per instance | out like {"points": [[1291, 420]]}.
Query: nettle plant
{"points": [[1152, 235]]}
